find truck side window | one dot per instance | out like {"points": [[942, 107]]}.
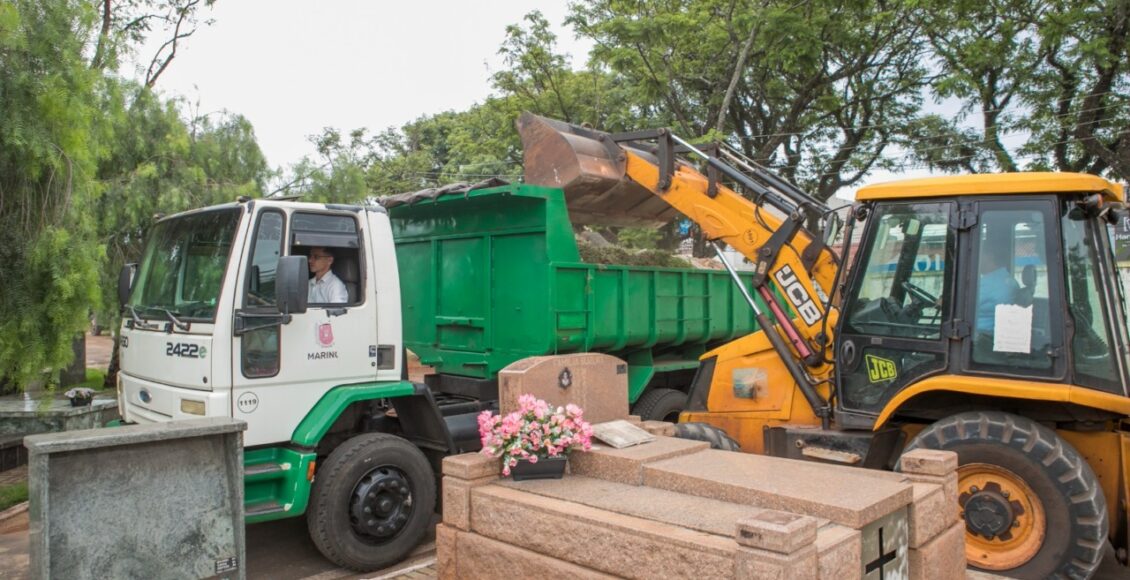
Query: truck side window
{"points": [[333, 241], [261, 347]]}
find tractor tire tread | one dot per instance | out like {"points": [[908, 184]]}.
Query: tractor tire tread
{"points": [[717, 438], [1062, 463]]}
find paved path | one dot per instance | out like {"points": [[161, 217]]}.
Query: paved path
{"points": [[15, 475], [98, 350], [275, 551]]}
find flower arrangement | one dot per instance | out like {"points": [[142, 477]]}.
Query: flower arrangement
{"points": [[80, 396], [535, 431]]}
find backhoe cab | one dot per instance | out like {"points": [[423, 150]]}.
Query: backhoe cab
{"points": [[979, 314]]}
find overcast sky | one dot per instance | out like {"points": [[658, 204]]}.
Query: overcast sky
{"points": [[293, 67]]}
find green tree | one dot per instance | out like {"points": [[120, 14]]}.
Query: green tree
{"points": [[1046, 81], [161, 162], [51, 140], [482, 142], [125, 24], [818, 90]]}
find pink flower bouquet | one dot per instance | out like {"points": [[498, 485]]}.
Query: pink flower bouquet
{"points": [[535, 431]]}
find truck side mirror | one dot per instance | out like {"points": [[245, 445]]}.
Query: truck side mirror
{"points": [[291, 284], [125, 283]]}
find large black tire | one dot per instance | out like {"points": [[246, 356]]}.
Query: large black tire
{"points": [[997, 452], [717, 438], [381, 473], [661, 405]]}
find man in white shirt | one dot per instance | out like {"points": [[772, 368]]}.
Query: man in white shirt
{"points": [[325, 287]]}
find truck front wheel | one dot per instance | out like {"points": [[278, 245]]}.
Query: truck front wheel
{"points": [[372, 501], [1031, 505]]}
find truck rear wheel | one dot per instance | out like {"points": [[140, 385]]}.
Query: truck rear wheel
{"points": [[372, 501], [661, 405], [1031, 504], [717, 438]]}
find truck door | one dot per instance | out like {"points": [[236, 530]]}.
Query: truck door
{"points": [[892, 330], [281, 371]]}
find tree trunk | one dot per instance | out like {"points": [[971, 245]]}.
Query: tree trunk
{"points": [[111, 381]]}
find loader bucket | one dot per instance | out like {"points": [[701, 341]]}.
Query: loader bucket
{"points": [[590, 167]]}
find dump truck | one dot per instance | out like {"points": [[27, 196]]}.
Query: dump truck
{"points": [[980, 314], [490, 276], [217, 323]]}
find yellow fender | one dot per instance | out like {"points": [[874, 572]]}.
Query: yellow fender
{"points": [[1007, 388]]}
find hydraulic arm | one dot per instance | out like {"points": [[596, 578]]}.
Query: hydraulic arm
{"points": [[620, 179]]}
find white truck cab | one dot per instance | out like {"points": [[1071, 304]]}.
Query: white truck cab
{"points": [[216, 323]]}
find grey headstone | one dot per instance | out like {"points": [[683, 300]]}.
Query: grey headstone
{"points": [[144, 501]]}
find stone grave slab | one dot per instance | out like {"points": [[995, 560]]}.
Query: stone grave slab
{"points": [[613, 543], [626, 465], [845, 495]]}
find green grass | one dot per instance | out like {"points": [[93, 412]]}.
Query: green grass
{"points": [[94, 380], [11, 495]]}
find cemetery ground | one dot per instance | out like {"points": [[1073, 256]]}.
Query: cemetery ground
{"points": [[277, 550]]}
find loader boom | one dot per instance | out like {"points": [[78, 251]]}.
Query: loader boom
{"points": [[615, 179]]}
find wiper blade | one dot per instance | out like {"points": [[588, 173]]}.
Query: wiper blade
{"points": [[137, 321], [172, 317]]}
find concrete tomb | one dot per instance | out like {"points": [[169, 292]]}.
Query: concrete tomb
{"points": [[674, 508], [145, 501]]}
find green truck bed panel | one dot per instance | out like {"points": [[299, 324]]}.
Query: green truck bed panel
{"points": [[492, 276]]}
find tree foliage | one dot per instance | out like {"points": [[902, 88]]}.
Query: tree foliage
{"points": [[1047, 82], [824, 92], [50, 136], [87, 159], [125, 24], [163, 160], [819, 90]]}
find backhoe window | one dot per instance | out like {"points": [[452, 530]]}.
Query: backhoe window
{"points": [[902, 292], [1090, 345], [184, 265], [1012, 327]]}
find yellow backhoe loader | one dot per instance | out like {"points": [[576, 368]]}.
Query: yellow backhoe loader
{"points": [[979, 314]]}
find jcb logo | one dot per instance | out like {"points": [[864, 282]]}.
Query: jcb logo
{"points": [[880, 369], [797, 294]]}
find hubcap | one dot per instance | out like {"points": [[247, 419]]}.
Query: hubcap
{"points": [[380, 504], [1004, 519], [989, 512]]}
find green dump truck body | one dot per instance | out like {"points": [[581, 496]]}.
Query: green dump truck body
{"points": [[492, 276]]}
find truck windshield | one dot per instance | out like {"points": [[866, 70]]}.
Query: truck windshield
{"points": [[184, 265]]}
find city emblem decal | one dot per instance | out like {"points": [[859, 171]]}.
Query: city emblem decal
{"points": [[325, 333]]}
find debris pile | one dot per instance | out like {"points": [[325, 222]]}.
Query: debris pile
{"points": [[610, 254]]}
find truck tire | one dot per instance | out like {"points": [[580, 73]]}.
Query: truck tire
{"points": [[661, 405], [372, 501], [1031, 504], [717, 438]]}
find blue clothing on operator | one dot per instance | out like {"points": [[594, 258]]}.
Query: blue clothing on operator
{"points": [[996, 287]]}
